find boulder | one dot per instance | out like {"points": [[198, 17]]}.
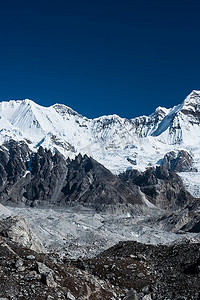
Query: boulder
{"points": [[18, 230]]}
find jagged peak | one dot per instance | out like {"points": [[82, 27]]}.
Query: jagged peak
{"points": [[161, 109], [195, 92], [109, 117], [192, 98], [20, 101], [64, 109]]}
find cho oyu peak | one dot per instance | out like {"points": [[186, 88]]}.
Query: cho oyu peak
{"points": [[114, 141]]}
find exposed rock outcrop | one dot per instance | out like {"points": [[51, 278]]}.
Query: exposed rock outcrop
{"points": [[47, 173], [30, 178], [164, 188], [46, 179], [180, 161], [18, 230], [87, 181]]}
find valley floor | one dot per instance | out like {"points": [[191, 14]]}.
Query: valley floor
{"points": [[81, 232]]}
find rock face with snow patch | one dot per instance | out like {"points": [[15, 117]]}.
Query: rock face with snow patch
{"points": [[27, 177], [13, 157], [164, 188], [46, 179], [88, 182], [44, 182], [180, 161]]}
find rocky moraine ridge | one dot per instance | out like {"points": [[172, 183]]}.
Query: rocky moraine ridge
{"points": [[128, 270]]}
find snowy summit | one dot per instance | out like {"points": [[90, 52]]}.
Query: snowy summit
{"points": [[116, 142]]}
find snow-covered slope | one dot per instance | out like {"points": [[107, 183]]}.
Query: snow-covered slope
{"points": [[115, 142]]}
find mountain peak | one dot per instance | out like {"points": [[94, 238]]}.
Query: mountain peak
{"points": [[195, 92], [21, 101], [27, 101], [161, 111], [116, 142], [64, 110], [192, 100]]}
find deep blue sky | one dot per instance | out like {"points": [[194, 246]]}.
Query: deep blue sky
{"points": [[100, 56]]}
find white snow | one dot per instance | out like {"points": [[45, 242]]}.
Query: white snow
{"points": [[111, 140], [191, 181]]}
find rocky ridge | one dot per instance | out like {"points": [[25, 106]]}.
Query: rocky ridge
{"points": [[162, 187], [155, 272], [180, 161], [25, 274], [45, 179]]}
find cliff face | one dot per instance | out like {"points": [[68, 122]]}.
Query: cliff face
{"points": [[162, 187], [27, 177], [46, 179], [89, 182]]}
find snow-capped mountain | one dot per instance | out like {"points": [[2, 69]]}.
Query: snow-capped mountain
{"points": [[116, 142]]}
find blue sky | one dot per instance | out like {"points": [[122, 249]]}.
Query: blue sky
{"points": [[100, 56]]}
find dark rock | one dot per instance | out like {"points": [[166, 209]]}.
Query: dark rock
{"points": [[132, 161], [46, 179], [164, 188], [131, 295], [47, 174], [171, 272], [180, 161], [88, 181], [39, 278], [27, 177]]}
